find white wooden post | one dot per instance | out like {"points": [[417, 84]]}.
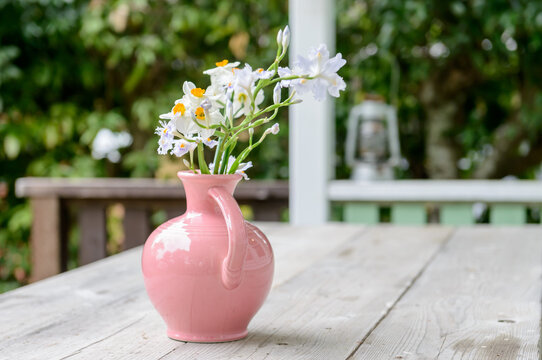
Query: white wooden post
{"points": [[312, 123]]}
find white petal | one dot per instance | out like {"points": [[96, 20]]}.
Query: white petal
{"points": [[334, 64], [187, 86]]}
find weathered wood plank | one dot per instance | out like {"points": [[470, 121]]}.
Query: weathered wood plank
{"points": [[478, 299], [93, 236], [89, 306], [136, 225], [408, 214], [136, 188], [45, 238], [359, 213]]}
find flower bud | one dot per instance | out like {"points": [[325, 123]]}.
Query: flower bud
{"points": [[276, 93], [279, 38], [285, 38], [186, 163], [229, 109], [275, 129]]}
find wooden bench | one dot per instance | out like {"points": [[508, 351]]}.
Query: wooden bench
{"points": [[411, 200], [52, 199]]}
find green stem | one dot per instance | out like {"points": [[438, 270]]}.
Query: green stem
{"points": [[219, 149], [201, 160], [242, 156]]}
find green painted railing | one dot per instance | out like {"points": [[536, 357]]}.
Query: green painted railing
{"points": [[448, 202]]}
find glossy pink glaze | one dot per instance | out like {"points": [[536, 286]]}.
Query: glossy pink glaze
{"points": [[208, 271]]}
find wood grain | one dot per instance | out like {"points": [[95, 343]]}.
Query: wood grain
{"points": [[478, 299], [45, 238], [93, 238], [136, 188]]}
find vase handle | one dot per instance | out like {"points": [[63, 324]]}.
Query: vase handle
{"points": [[232, 266]]}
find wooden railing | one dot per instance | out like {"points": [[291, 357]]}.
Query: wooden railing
{"points": [[447, 202], [54, 201]]}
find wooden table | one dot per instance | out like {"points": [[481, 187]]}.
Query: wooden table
{"points": [[340, 292]]}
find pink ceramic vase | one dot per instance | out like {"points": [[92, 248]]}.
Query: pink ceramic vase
{"points": [[208, 271]]}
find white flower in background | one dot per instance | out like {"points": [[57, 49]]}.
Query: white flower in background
{"points": [[107, 143], [276, 94], [182, 146]]}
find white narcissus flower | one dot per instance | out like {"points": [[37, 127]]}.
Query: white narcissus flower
{"points": [[244, 79], [222, 74], [165, 130], [242, 103], [286, 72], [263, 74], [323, 72], [181, 117], [193, 95], [242, 168], [182, 146]]}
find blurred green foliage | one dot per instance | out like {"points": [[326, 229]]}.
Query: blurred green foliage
{"points": [[465, 75], [69, 68]]}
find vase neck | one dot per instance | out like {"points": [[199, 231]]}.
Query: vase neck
{"points": [[197, 187]]}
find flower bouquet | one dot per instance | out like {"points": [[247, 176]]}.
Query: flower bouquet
{"points": [[234, 103], [208, 271]]}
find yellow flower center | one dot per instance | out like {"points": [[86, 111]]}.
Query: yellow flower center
{"points": [[179, 107], [200, 114], [233, 69], [165, 130], [303, 81], [222, 63], [242, 97], [260, 70], [197, 92], [182, 145]]}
